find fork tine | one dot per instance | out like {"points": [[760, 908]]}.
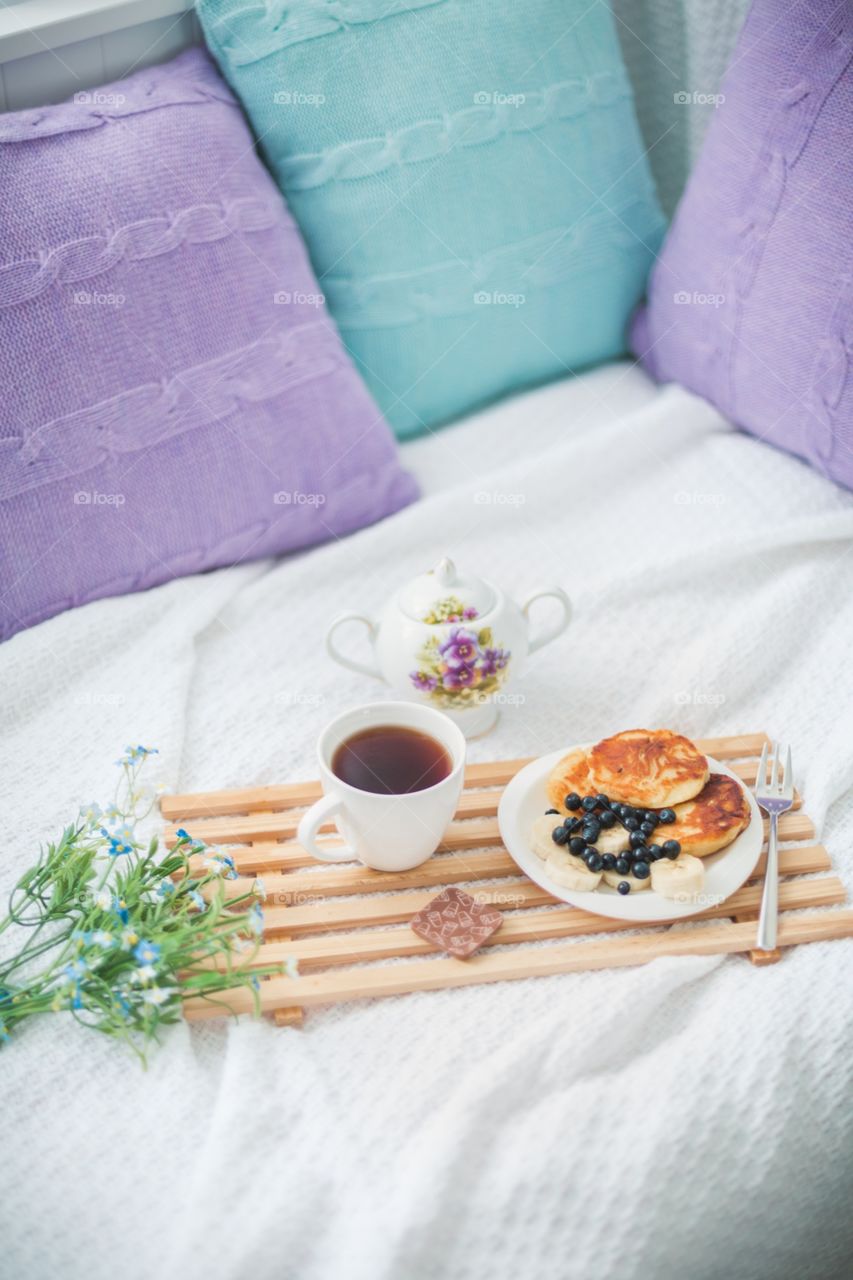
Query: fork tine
{"points": [[762, 772], [777, 769], [788, 776]]}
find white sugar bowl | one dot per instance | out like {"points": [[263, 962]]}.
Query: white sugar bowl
{"points": [[453, 641]]}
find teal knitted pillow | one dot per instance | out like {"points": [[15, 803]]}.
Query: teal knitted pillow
{"points": [[468, 176]]}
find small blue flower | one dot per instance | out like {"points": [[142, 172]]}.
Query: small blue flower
{"points": [[183, 835], [133, 755], [118, 848], [121, 910], [197, 900], [146, 952], [256, 920], [165, 889], [122, 1003], [76, 970], [256, 982]]}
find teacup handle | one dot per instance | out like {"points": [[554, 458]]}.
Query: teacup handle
{"points": [[557, 628], [333, 651], [311, 822]]}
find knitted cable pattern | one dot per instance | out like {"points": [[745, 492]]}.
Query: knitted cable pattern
{"points": [[518, 269], [473, 126], [256, 31], [150, 414], [149, 238]]}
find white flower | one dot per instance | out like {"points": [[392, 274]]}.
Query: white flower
{"points": [[259, 888], [91, 813], [145, 973], [104, 899], [102, 938], [156, 995]]}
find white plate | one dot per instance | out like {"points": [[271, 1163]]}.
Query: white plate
{"points": [[526, 798]]}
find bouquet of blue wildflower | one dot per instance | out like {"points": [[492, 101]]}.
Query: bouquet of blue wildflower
{"points": [[120, 934]]}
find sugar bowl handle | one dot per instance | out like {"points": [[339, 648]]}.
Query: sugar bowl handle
{"points": [[557, 628], [363, 668]]}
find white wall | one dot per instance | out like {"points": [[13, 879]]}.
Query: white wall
{"points": [[39, 64]]}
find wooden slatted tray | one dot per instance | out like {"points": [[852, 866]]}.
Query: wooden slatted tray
{"points": [[346, 926]]}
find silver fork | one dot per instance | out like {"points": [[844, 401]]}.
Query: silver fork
{"points": [[774, 794]]}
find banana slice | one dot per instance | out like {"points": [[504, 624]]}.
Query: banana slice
{"points": [[613, 878], [613, 839], [540, 835], [680, 879], [570, 872]]}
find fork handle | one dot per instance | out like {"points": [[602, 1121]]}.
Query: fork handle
{"points": [[769, 917]]}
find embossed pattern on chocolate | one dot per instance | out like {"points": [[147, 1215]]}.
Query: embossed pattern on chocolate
{"points": [[456, 922]]}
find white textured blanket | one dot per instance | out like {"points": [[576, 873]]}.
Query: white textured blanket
{"points": [[689, 1118]]}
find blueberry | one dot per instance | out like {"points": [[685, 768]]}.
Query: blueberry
{"points": [[602, 800], [588, 803], [550, 811], [623, 887], [654, 853], [666, 815], [607, 819], [647, 828], [623, 866], [671, 848], [576, 845], [651, 816], [609, 862], [630, 824], [591, 832], [642, 871], [637, 839], [594, 860], [559, 835], [571, 824], [572, 800]]}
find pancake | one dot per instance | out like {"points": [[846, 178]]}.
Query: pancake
{"points": [[571, 774], [710, 821], [655, 769]]}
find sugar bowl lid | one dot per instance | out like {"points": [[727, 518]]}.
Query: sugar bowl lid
{"points": [[444, 595]]}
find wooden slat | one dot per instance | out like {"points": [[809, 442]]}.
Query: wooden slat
{"points": [[523, 926], [263, 858], [320, 914], [354, 878], [282, 826], [501, 964], [490, 774], [277, 825]]}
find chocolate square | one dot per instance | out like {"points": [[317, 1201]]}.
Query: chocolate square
{"points": [[456, 922]]}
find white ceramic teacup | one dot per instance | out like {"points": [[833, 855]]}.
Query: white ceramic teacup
{"points": [[386, 832]]}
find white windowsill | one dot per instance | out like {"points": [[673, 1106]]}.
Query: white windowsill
{"points": [[32, 26]]}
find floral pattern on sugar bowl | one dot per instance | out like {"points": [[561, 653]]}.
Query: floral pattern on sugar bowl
{"points": [[453, 641], [462, 666]]}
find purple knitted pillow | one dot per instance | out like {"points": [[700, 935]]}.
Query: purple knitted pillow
{"points": [[751, 303], [174, 396]]}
